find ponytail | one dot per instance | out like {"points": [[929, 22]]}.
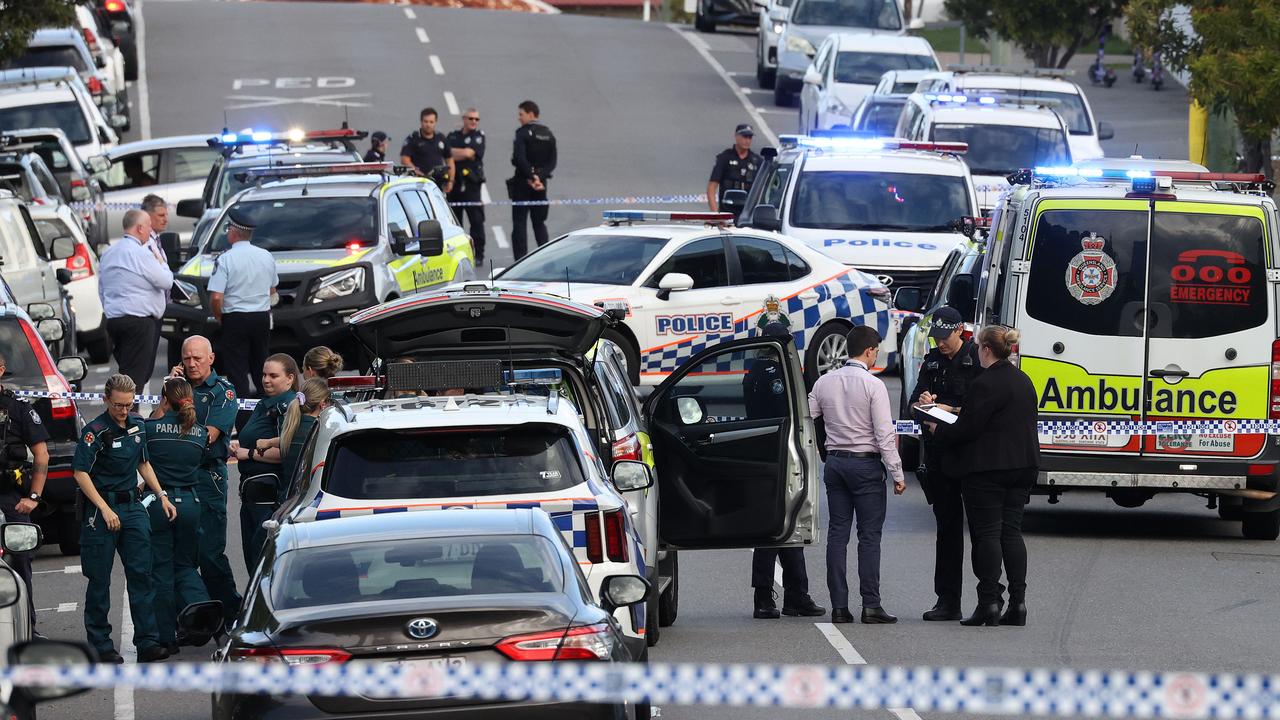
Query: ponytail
{"points": [[314, 393], [177, 391], [1000, 340]]}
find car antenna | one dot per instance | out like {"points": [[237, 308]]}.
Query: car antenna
{"points": [[568, 286]]}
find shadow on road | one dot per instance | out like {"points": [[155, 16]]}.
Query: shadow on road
{"points": [[1135, 524]]}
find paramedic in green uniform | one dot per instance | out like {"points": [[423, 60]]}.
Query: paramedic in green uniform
{"points": [[301, 416], [258, 453], [111, 454], [215, 400], [175, 445]]}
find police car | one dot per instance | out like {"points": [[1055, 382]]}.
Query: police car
{"points": [[344, 237], [847, 68], [686, 281], [1146, 295]]}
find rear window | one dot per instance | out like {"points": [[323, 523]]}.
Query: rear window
{"points": [[453, 462], [66, 116], [21, 368], [1001, 149], [880, 116], [865, 68], [418, 568], [879, 201], [50, 56], [603, 259], [877, 14]]}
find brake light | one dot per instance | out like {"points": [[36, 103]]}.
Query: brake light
{"points": [[1275, 380], [91, 40], [60, 408], [591, 642], [1014, 357], [615, 535], [628, 448], [1261, 469], [80, 264], [290, 656], [113, 6], [595, 544], [95, 86]]}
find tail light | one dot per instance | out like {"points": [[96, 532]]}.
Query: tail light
{"points": [[591, 642], [595, 543], [80, 263], [79, 189], [114, 6], [60, 408], [615, 535], [628, 448], [91, 40], [95, 86], [1261, 469], [290, 656], [1275, 380]]}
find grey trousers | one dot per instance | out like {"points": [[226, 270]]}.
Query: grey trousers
{"points": [[856, 487]]}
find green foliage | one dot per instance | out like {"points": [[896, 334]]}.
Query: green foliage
{"points": [[19, 19], [1049, 32]]}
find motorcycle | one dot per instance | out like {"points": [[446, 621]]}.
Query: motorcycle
{"points": [[1157, 71], [1099, 73], [1139, 70]]}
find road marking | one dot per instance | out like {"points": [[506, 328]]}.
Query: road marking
{"points": [[124, 693], [905, 714], [144, 99], [62, 607], [500, 237], [779, 111], [841, 644], [422, 34], [436, 66], [257, 101], [777, 574], [449, 99], [484, 194], [408, 12], [68, 570], [704, 50]]}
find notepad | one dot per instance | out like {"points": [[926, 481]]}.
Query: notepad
{"points": [[936, 413]]}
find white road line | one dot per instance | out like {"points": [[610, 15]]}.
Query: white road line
{"points": [[485, 197], [409, 13], [436, 66], [700, 45], [840, 643], [62, 607], [124, 693], [449, 99], [777, 574], [68, 570], [422, 34], [500, 237], [905, 714], [779, 111], [144, 99]]}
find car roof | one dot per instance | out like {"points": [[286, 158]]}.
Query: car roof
{"points": [[1111, 191], [886, 44], [160, 143], [56, 36], [41, 94], [405, 525], [1036, 117], [410, 413], [1137, 162], [308, 154], [999, 81], [355, 184], [906, 161], [38, 132]]}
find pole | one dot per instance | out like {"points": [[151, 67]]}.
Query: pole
{"points": [[962, 39]]}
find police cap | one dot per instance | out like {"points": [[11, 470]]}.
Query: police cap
{"points": [[744, 130], [946, 321], [240, 218], [378, 136]]}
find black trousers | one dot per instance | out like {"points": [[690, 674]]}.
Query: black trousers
{"points": [[21, 562], [795, 576], [537, 214], [135, 342], [474, 218], [995, 501], [244, 344], [943, 492]]}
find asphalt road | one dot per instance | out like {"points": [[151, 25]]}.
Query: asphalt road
{"points": [[641, 109]]}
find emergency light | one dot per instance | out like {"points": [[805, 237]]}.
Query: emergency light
{"points": [[249, 136], [851, 141], [621, 216], [318, 170]]}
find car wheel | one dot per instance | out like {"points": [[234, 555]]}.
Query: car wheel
{"points": [[702, 22], [123, 100], [629, 351], [827, 351], [129, 48], [652, 623], [644, 711], [100, 350], [782, 97], [669, 601], [68, 534], [1261, 525]]}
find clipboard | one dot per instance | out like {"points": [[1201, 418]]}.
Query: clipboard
{"points": [[933, 413]]}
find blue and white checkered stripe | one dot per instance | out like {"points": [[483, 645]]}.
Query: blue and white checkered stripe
{"points": [[246, 404], [839, 297], [1020, 692], [1129, 428]]}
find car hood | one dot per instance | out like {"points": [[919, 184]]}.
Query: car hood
{"points": [[481, 322], [298, 262], [881, 249]]}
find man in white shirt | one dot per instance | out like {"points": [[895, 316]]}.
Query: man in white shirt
{"points": [[133, 284]]}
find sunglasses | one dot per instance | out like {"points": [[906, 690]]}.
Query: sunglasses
{"points": [[472, 118]]}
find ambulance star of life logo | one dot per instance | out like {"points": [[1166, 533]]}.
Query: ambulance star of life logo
{"points": [[1091, 274]]}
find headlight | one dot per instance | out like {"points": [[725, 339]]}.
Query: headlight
{"points": [[778, 28], [795, 43], [186, 294], [339, 284]]}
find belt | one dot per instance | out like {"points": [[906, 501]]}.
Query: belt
{"points": [[852, 454], [118, 498]]}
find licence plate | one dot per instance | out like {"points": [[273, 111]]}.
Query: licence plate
{"points": [[441, 663]]}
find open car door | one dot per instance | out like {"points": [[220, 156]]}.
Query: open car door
{"points": [[735, 448]]}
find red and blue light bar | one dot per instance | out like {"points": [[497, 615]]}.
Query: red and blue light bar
{"points": [[857, 142], [293, 171], [249, 136], [665, 216]]}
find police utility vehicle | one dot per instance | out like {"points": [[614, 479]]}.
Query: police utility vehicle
{"points": [[1146, 295]]}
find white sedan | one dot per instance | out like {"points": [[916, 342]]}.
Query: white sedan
{"points": [[847, 68]]}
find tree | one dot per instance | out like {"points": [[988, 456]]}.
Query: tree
{"points": [[19, 19], [1050, 32], [1232, 53]]}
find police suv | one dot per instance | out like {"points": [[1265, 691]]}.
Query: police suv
{"points": [[344, 237], [1146, 293], [687, 280]]}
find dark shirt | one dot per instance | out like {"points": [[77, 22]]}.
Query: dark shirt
{"points": [[733, 172], [263, 424], [111, 454], [375, 156], [175, 455], [20, 428], [469, 172], [948, 378], [216, 406], [997, 425], [765, 390], [534, 152], [427, 154]]}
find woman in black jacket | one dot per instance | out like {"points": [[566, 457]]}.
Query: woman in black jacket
{"points": [[997, 450]]}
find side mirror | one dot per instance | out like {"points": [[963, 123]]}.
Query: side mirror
{"points": [[765, 217], [909, 299], [63, 275], [690, 410], [430, 238], [47, 652], [201, 621], [40, 311], [812, 76], [399, 238], [619, 591], [916, 24], [63, 247], [191, 207], [628, 475], [73, 368], [51, 330], [673, 282], [20, 537], [960, 295], [171, 243], [99, 164], [733, 201], [1106, 131]]}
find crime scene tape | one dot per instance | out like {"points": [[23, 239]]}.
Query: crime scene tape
{"points": [[992, 691], [245, 404], [557, 202]]}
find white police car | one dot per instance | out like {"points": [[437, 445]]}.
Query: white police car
{"points": [[688, 280]]}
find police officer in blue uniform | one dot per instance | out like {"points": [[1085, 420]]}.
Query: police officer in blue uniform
{"points": [[534, 155], [216, 407], [735, 169], [21, 429], [111, 454], [176, 444], [467, 147], [427, 151], [241, 288]]}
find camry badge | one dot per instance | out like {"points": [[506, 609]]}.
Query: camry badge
{"points": [[422, 628]]}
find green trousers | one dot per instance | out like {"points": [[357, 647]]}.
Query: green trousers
{"points": [[98, 548], [215, 569], [175, 556]]}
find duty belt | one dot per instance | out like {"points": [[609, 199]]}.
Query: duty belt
{"points": [[119, 498]]}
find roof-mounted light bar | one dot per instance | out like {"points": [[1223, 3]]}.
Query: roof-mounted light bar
{"points": [[621, 216], [249, 136], [293, 171], [989, 98], [868, 143], [1006, 70]]}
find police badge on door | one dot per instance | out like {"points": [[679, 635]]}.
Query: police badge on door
{"points": [[1091, 274]]}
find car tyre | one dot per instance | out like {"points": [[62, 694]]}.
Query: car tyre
{"points": [[129, 48], [669, 601], [782, 97], [825, 349], [629, 351], [1261, 525], [68, 534], [652, 622], [702, 22], [123, 100]]}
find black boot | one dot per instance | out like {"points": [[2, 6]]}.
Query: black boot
{"points": [[943, 612], [766, 606], [801, 605], [1016, 614], [985, 614]]}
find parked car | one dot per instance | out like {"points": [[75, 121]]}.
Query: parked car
{"points": [[55, 224], [75, 176], [66, 47], [57, 97], [25, 175], [772, 18], [175, 168], [28, 270], [846, 69]]}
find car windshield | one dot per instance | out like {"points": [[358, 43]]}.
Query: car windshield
{"points": [[14, 177], [1069, 105], [236, 178], [415, 569], [880, 116], [50, 56], [1001, 149], [21, 368], [879, 201], [453, 462], [65, 116], [603, 259], [50, 150], [865, 68], [877, 14], [309, 223]]}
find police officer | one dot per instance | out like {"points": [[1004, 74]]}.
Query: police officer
{"points": [[377, 147], [175, 444], [21, 429], [765, 391], [427, 151], [534, 157], [241, 288], [945, 375], [111, 454], [735, 169], [215, 403], [467, 148]]}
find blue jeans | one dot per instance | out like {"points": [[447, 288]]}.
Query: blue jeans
{"points": [[855, 487]]}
